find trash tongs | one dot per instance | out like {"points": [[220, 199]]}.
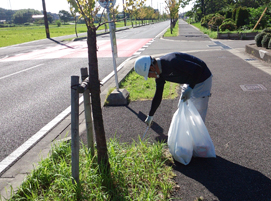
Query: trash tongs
{"points": [[145, 132]]}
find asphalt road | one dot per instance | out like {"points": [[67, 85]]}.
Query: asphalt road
{"points": [[35, 79]]}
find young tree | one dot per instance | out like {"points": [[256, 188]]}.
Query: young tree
{"points": [[65, 16], [131, 6], [173, 11], [88, 10], [142, 14]]}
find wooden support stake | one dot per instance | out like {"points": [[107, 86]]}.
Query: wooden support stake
{"points": [[259, 19], [75, 127], [88, 112]]}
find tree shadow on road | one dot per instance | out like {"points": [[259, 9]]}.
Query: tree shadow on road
{"points": [[60, 43], [227, 180]]}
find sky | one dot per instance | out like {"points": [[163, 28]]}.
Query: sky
{"points": [[55, 6]]}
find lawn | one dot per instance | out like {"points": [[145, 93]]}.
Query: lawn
{"points": [[141, 89], [21, 34], [175, 31], [139, 171], [211, 34]]}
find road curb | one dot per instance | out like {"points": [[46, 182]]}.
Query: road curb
{"points": [[259, 52]]}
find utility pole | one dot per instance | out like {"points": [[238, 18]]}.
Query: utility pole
{"points": [[123, 13], [45, 19]]}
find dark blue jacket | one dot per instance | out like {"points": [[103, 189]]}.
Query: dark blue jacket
{"points": [[179, 68]]}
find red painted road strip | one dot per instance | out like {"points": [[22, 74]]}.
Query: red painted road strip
{"points": [[125, 47]]}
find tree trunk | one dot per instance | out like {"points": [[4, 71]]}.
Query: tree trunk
{"points": [[171, 25], [95, 97], [202, 8]]}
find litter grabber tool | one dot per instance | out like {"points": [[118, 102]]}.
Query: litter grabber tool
{"points": [[145, 132]]}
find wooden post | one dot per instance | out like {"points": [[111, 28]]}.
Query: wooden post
{"points": [[45, 19], [75, 127], [259, 19], [88, 112]]}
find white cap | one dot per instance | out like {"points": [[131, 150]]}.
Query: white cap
{"points": [[142, 66]]}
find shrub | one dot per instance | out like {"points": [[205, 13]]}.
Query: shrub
{"points": [[258, 38], [265, 40], [228, 25], [58, 23], [233, 14], [216, 21], [267, 30], [228, 14], [228, 20], [241, 17], [205, 20], [255, 14], [269, 45]]}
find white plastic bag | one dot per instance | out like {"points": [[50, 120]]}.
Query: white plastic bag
{"points": [[179, 142], [202, 142], [188, 135]]}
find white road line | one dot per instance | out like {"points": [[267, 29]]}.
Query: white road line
{"points": [[4, 57], [10, 159], [20, 71]]}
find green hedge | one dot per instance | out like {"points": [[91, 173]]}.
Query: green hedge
{"points": [[265, 40], [242, 17]]}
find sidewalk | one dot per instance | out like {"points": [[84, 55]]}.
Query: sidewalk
{"points": [[238, 121]]}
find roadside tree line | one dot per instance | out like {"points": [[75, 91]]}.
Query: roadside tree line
{"points": [[231, 15]]}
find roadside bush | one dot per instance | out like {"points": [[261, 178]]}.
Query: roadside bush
{"points": [[265, 40], [228, 20], [58, 23], [216, 21], [267, 30], [269, 44], [233, 14], [228, 25], [245, 27], [258, 38], [228, 14], [255, 14], [205, 20], [241, 17]]}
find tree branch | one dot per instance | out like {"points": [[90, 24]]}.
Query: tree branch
{"points": [[79, 6]]}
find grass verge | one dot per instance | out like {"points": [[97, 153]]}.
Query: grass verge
{"points": [[141, 89], [137, 172], [211, 34], [175, 31]]}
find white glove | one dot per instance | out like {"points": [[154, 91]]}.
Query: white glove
{"points": [[148, 120], [186, 93]]}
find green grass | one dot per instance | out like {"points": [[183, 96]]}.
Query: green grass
{"points": [[239, 31], [211, 34], [137, 172], [140, 89], [175, 31], [22, 34]]}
